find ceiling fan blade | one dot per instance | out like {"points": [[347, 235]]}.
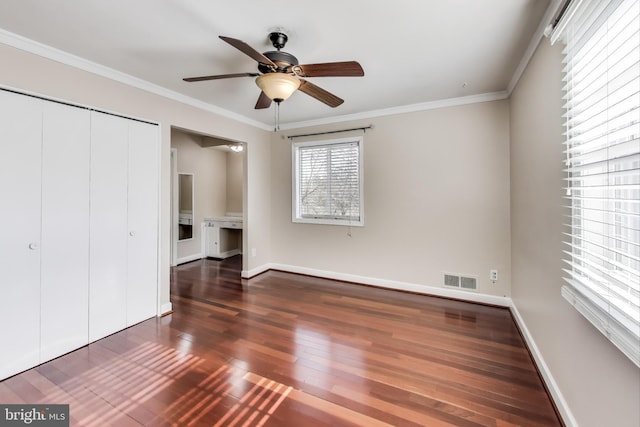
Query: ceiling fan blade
{"points": [[263, 101], [248, 50], [330, 69], [320, 94], [220, 76]]}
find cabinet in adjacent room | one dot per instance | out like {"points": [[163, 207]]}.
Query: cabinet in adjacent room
{"points": [[223, 237]]}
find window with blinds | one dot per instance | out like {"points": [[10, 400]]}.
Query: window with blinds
{"points": [[327, 182], [602, 74]]}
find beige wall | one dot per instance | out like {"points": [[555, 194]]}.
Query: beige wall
{"points": [[234, 178], [32, 73], [600, 385], [436, 199], [257, 208], [209, 169]]}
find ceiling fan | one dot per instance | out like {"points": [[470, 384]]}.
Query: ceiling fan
{"points": [[280, 74]]}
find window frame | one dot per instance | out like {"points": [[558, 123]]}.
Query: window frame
{"points": [[296, 216], [591, 286]]}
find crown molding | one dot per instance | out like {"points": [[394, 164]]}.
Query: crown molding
{"points": [[412, 108], [45, 51], [551, 11]]}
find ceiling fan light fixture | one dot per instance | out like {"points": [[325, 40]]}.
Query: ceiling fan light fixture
{"points": [[278, 86]]}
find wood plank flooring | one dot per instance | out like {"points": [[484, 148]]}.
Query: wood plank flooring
{"points": [[289, 350]]}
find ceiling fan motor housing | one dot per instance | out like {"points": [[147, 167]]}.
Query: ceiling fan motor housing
{"points": [[282, 59]]}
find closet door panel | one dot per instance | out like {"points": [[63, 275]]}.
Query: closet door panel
{"points": [[20, 178], [108, 226], [142, 283], [65, 230]]}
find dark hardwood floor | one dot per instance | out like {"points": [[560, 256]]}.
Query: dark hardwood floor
{"points": [[289, 350]]}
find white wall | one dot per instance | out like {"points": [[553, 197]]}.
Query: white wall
{"points": [[436, 199], [32, 73], [600, 385]]}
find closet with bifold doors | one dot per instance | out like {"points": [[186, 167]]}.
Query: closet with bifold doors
{"points": [[79, 239], [123, 230]]}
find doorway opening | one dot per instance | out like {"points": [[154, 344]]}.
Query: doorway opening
{"points": [[208, 182]]}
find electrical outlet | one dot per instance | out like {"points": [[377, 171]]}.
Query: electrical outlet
{"points": [[493, 275], [253, 252]]}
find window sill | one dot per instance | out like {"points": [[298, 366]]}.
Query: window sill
{"points": [[609, 327], [326, 221]]}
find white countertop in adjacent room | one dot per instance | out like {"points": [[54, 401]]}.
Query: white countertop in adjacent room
{"points": [[225, 218]]}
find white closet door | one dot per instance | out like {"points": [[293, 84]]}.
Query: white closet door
{"points": [[20, 177], [142, 283], [108, 226], [65, 230]]}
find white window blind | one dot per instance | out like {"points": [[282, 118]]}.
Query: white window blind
{"points": [[327, 182], [602, 75]]}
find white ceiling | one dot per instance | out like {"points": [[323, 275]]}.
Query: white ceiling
{"points": [[412, 51]]}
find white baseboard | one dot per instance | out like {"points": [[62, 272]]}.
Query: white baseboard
{"points": [[189, 258], [556, 394], [227, 254], [384, 283], [166, 308], [247, 274]]}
